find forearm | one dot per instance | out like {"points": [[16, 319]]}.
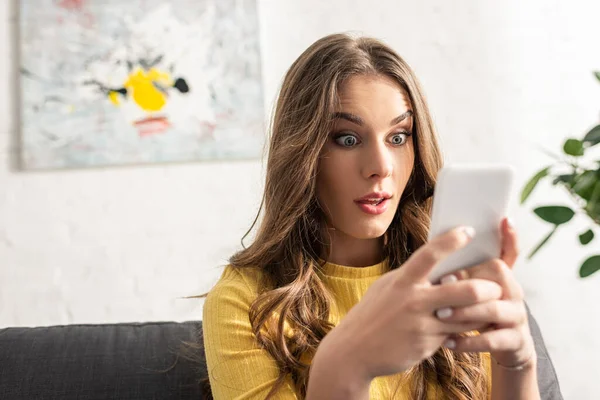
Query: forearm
{"points": [[515, 385], [332, 378]]}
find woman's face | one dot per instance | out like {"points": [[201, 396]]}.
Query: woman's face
{"points": [[368, 158]]}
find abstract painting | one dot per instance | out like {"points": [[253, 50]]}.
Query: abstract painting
{"points": [[112, 82]]}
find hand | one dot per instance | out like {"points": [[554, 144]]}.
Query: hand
{"points": [[394, 327], [507, 336]]}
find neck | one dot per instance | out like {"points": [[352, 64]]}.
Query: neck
{"points": [[353, 252]]}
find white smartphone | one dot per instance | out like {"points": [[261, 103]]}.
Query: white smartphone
{"points": [[476, 195]]}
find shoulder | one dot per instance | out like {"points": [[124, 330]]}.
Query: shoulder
{"points": [[250, 278], [236, 287]]}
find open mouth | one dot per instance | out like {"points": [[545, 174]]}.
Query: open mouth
{"points": [[373, 206], [373, 202]]}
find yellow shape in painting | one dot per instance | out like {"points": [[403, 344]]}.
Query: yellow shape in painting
{"points": [[114, 98], [144, 91]]}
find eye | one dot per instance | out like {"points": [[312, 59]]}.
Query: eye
{"points": [[346, 140], [400, 138]]}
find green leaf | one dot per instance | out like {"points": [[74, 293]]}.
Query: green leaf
{"points": [[595, 197], [593, 205], [532, 183], [566, 178], [589, 266], [586, 237], [556, 215], [592, 138], [584, 184], [543, 242], [573, 147], [597, 73]]}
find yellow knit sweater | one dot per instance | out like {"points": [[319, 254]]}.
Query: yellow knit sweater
{"points": [[239, 369]]}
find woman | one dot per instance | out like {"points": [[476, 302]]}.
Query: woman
{"points": [[331, 300]]}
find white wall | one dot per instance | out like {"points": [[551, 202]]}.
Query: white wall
{"points": [[122, 244]]}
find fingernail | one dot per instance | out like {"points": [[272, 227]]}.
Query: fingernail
{"points": [[450, 343], [469, 231], [510, 223], [444, 312], [448, 279]]}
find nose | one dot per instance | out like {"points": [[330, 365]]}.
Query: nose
{"points": [[377, 162]]}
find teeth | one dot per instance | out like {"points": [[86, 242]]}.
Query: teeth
{"points": [[373, 201]]}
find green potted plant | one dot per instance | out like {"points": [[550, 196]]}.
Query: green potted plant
{"points": [[581, 178]]}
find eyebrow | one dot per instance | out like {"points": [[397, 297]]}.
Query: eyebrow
{"points": [[359, 121]]}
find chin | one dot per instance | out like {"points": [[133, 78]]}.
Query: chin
{"points": [[372, 230]]}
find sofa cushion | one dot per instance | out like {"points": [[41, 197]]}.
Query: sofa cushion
{"points": [[134, 361], [111, 361]]}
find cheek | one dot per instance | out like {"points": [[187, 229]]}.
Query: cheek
{"points": [[333, 180], [406, 165]]}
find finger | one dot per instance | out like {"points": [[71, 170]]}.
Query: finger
{"points": [[461, 274], [445, 328], [497, 271], [510, 243], [461, 293], [501, 312], [422, 262], [492, 341]]}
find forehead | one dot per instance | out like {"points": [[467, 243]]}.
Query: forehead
{"points": [[373, 91]]}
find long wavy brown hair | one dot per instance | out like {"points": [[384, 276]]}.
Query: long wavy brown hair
{"points": [[291, 238]]}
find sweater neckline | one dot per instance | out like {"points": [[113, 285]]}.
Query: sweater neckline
{"points": [[344, 271]]}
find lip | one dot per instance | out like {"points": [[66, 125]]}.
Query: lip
{"points": [[372, 208], [375, 195]]}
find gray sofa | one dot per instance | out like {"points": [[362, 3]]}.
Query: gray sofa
{"points": [[131, 361]]}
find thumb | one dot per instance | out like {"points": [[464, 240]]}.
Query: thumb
{"points": [[421, 263], [510, 243]]}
